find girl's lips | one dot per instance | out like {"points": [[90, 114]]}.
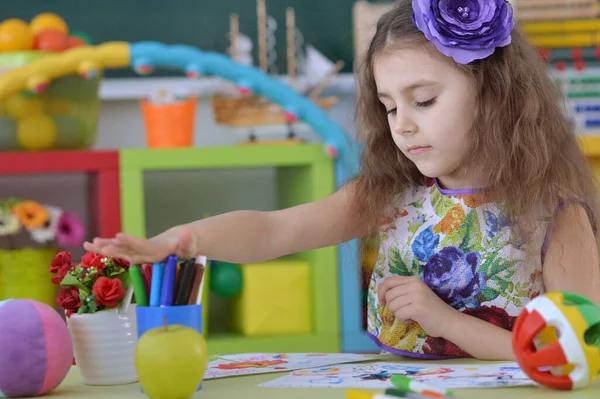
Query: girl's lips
{"points": [[418, 150]]}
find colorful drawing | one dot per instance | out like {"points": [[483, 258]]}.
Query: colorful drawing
{"points": [[259, 363], [377, 375]]}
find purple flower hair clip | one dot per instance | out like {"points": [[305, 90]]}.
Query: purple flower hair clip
{"points": [[465, 30]]}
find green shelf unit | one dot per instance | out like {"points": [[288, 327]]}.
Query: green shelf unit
{"points": [[303, 173]]}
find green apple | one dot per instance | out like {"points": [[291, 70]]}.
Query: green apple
{"points": [[171, 361]]}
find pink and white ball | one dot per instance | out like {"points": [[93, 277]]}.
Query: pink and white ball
{"points": [[36, 351]]}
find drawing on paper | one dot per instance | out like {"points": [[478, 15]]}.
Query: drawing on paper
{"points": [[259, 363], [377, 376]]}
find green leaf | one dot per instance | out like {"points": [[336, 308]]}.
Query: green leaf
{"points": [[92, 306], [71, 281], [441, 203], [83, 295], [416, 267], [517, 301], [397, 265], [471, 233], [490, 294], [417, 204], [82, 309], [124, 279], [453, 240], [511, 286]]}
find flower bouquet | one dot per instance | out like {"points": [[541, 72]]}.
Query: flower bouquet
{"points": [[96, 283], [104, 333], [45, 224], [31, 234]]}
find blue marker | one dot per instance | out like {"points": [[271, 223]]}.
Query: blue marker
{"points": [[156, 284], [168, 286]]}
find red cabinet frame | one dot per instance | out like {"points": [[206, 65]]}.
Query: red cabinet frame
{"points": [[102, 168]]}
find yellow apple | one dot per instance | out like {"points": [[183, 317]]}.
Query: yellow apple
{"points": [[171, 361]]}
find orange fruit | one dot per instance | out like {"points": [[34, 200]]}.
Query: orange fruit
{"points": [[48, 20], [15, 35]]}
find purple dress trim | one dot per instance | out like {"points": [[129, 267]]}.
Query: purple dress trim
{"points": [[560, 207], [462, 191], [406, 353]]}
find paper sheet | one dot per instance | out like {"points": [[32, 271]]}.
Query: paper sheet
{"points": [[377, 375], [259, 363]]}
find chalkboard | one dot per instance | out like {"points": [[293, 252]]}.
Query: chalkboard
{"points": [[326, 24]]}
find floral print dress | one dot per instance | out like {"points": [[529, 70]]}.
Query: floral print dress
{"points": [[461, 246]]}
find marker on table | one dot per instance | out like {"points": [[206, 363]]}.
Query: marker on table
{"points": [[168, 285], [389, 394], [156, 285], [408, 384], [137, 281], [397, 393]]}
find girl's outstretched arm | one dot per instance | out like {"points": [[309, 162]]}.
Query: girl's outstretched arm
{"points": [[254, 236], [245, 236]]}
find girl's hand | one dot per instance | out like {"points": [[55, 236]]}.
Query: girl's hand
{"points": [[177, 241], [409, 298]]}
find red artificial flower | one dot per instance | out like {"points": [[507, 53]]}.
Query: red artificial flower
{"points": [[60, 266], [91, 259], [109, 292], [121, 262], [68, 299]]}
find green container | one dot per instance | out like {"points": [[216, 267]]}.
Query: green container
{"points": [[24, 274], [62, 117]]}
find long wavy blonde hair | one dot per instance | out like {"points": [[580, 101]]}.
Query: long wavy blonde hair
{"points": [[521, 138]]}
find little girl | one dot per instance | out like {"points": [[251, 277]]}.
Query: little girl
{"points": [[471, 174]]}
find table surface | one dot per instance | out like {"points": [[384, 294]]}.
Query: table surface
{"points": [[246, 387]]}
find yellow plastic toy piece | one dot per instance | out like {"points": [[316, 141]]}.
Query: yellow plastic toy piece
{"points": [[275, 299], [85, 61]]}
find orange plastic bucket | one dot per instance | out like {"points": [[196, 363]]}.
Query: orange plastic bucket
{"points": [[169, 125]]}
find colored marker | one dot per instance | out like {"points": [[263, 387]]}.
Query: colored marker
{"points": [[184, 288], [360, 394], [156, 287], [202, 260], [408, 384], [404, 394], [137, 281], [168, 285], [147, 274]]}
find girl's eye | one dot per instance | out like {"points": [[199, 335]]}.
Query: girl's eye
{"points": [[427, 103], [391, 111]]}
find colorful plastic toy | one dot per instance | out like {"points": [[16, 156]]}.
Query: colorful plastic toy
{"points": [[556, 340]]}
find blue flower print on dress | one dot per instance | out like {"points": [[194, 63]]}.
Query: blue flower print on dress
{"points": [[495, 223], [453, 276], [425, 244]]}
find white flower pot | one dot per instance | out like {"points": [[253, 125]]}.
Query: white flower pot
{"points": [[104, 346]]}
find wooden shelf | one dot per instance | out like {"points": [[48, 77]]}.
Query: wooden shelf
{"points": [[102, 168], [304, 173]]}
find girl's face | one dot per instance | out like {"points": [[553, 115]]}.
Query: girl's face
{"points": [[430, 105]]}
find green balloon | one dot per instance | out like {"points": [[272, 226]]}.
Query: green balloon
{"points": [[226, 279], [84, 36]]}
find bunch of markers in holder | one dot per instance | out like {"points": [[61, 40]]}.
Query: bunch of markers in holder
{"points": [[168, 283]]}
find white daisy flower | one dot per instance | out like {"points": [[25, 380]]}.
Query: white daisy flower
{"points": [[48, 232], [9, 224]]}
